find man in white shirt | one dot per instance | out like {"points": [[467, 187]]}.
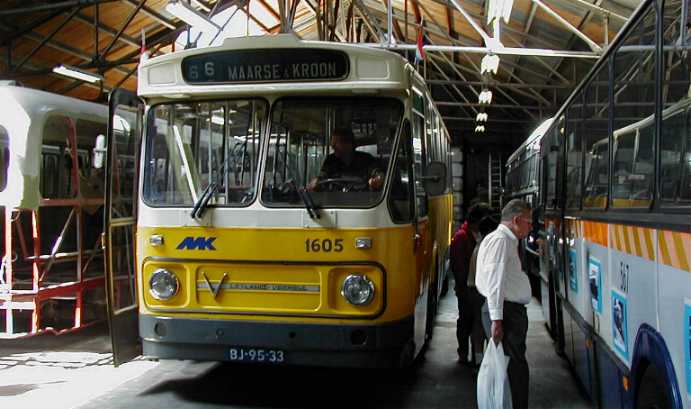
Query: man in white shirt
{"points": [[500, 279]]}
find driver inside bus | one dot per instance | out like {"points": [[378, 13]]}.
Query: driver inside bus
{"points": [[347, 169]]}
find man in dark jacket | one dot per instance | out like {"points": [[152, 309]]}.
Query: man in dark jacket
{"points": [[347, 163], [462, 245]]}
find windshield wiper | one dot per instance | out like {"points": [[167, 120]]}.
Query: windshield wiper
{"points": [[203, 202], [311, 208]]}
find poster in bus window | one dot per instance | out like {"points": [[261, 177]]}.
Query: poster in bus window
{"points": [[595, 281], [573, 271], [687, 343], [620, 334]]}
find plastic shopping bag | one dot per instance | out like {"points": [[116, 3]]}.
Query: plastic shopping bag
{"points": [[493, 390]]}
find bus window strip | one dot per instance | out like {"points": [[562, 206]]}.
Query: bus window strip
{"points": [[620, 37], [260, 174], [609, 61], [657, 203]]}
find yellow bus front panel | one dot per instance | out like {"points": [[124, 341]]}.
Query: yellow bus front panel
{"points": [[277, 290]]}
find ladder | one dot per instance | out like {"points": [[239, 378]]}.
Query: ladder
{"points": [[457, 186], [495, 178]]}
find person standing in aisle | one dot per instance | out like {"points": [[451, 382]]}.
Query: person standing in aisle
{"points": [[462, 245], [500, 279], [477, 333]]}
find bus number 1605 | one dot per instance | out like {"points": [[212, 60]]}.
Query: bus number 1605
{"points": [[324, 245]]}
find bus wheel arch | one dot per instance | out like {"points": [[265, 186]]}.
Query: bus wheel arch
{"points": [[653, 377]]}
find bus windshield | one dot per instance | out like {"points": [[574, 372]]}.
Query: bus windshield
{"points": [[193, 146], [334, 150]]}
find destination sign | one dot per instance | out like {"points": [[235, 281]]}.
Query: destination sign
{"points": [[268, 65]]}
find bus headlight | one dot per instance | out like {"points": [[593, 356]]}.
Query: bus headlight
{"points": [[357, 289], [163, 284]]}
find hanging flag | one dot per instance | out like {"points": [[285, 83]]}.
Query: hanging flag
{"points": [[420, 51]]}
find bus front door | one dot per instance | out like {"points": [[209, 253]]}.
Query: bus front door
{"points": [[120, 213]]}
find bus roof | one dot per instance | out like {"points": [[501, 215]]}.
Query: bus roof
{"points": [[273, 64], [33, 102], [22, 119]]}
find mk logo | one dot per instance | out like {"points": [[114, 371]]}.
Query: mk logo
{"points": [[199, 243], [214, 291]]}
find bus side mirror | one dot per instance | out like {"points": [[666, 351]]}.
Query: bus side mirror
{"points": [[435, 179], [99, 152]]}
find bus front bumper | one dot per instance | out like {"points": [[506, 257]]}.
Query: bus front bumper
{"points": [[377, 345]]}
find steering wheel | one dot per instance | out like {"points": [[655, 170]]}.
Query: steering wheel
{"points": [[343, 184]]}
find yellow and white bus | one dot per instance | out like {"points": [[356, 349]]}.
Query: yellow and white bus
{"points": [[234, 257]]}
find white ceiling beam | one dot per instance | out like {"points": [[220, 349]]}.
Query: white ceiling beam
{"points": [[595, 7], [534, 52], [592, 44], [542, 40], [531, 17], [453, 65], [501, 121], [370, 21], [499, 84], [541, 62], [475, 111], [474, 104], [472, 22], [501, 91]]}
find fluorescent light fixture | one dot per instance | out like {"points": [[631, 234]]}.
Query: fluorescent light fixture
{"points": [[499, 9], [485, 97], [76, 73], [481, 117], [479, 129], [490, 63], [184, 12]]}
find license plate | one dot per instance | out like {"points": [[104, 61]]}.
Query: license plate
{"points": [[245, 354]]}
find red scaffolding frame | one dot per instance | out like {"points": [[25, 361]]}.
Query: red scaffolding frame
{"points": [[39, 284]]}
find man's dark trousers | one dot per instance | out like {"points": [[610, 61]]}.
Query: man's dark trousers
{"points": [[464, 323], [515, 326]]}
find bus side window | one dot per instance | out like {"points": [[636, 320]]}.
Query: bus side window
{"points": [[399, 198], [420, 163], [634, 109], [574, 154], [675, 139], [56, 172], [595, 130], [551, 159]]}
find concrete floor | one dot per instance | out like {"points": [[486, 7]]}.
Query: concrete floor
{"points": [[75, 371]]}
